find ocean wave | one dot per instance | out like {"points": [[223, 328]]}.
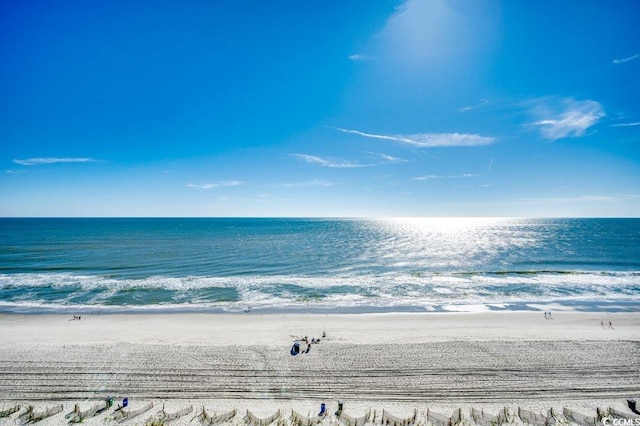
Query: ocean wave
{"points": [[68, 290]]}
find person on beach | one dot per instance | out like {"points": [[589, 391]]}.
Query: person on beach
{"points": [[295, 349]]}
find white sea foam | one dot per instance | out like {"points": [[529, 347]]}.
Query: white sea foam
{"points": [[37, 291]]}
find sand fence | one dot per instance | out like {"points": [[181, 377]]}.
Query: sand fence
{"points": [[122, 415], [22, 415], [9, 411], [612, 412], [212, 420], [163, 417], [32, 416], [78, 415], [389, 419], [437, 419], [354, 421], [254, 420], [298, 419]]}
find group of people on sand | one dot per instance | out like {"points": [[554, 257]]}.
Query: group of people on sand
{"points": [[547, 315], [603, 325], [295, 349], [76, 317]]}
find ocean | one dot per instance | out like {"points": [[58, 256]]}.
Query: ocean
{"points": [[98, 265]]}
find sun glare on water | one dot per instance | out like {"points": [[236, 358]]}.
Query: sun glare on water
{"points": [[445, 225]]}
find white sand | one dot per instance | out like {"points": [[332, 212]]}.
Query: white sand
{"points": [[398, 362]]}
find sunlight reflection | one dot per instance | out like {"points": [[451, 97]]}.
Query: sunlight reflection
{"points": [[462, 243], [447, 225]]}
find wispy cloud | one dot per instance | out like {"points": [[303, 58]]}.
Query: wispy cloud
{"points": [[637, 123], [53, 160], [429, 139], [480, 104], [627, 59], [312, 183], [566, 117], [434, 177], [485, 185], [359, 57], [586, 198], [388, 158], [338, 163], [214, 185], [335, 163]]}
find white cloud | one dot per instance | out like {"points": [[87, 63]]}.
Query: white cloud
{"points": [[359, 57], [346, 164], [433, 177], [214, 185], [53, 160], [587, 198], [429, 139], [332, 163], [628, 59], [480, 104], [637, 123], [388, 158], [312, 183], [486, 185], [566, 117]]}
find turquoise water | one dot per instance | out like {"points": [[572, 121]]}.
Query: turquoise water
{"points": [[349, 265]]}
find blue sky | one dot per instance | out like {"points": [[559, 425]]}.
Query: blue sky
{"points": [[334, 109]]}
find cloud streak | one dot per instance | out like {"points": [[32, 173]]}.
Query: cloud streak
{"points": [[429, 140], [214, 185], [359, 57], [468, 108], [637, 123], [53, 160], [333, 163], [585, 198], [312, 183], [337, 163], [566, 118], [627, 59], [434, 177], [388, 158]]}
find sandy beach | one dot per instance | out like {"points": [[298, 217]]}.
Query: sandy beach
{"points": [[396, 362]]}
